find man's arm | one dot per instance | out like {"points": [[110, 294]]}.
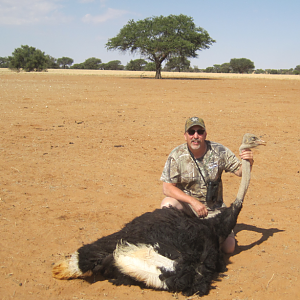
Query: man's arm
{"points": [[170, 190]]}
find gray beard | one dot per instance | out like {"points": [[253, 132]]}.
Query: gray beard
{"points": [[195, 147]]}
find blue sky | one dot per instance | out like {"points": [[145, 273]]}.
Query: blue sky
{"points": [[264, 31]]}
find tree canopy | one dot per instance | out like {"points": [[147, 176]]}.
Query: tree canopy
{"points": [[28, 58], [241, 65], [178, 64], [136, 65], [150, 67], [161, 38], [92, 63], [52, 62], [65, 62], [113, 65], [4, 62], [297, 70]]}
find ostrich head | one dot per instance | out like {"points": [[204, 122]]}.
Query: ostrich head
{"points": [[251, 141]]}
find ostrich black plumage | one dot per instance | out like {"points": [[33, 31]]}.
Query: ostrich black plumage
{"points": [[164, 249]]}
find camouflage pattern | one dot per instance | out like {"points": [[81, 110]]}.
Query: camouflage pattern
{"points": [[181, 169], [193, 122]]}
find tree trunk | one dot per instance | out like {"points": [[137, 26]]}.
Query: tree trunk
{"points": [[158, 74], [158, 69]]}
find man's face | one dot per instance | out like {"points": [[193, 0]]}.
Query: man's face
{"points": [[195, 137]]}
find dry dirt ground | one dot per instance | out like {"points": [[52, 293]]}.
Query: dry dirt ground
{"points": [[81, 155]]}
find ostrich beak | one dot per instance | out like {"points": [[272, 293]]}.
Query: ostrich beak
{"points": [[260, 142]]}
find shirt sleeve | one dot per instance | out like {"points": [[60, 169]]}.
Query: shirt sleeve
{"points": [[170, 172], [232, 163]]}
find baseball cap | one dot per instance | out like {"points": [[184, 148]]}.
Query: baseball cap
{"points": [[190, 122]]}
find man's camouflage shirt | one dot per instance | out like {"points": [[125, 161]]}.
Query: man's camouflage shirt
{"points": [[182, 170]]}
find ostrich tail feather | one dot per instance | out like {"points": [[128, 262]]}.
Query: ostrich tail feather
{"points": [[69, 269]]}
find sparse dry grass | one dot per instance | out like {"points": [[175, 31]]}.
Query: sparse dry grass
{"points": [[147, 74]]}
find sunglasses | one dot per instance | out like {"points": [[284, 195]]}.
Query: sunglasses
{"points": [[199, 131]]}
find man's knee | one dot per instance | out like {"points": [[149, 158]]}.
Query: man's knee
{"points": [[228, 246], [168, 201]]}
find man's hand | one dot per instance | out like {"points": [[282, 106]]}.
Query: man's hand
{"points": [[248, 155], [199, 208]]}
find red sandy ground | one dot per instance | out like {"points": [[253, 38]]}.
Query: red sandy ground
{"points": [[82, 155]]}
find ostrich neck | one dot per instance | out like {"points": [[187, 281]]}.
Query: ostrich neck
{"points": [[246, 174]]}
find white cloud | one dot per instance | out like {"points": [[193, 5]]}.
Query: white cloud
{"points": [[24, 12], [110, 14]]}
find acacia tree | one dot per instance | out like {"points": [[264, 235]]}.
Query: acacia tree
{"points": [[136, 65], [241, 65], [65, 61], [28, 58], [225, 68], [52, 62], [92, 63], [4, 62], [161, 38], [77, 66], [112, 65]]}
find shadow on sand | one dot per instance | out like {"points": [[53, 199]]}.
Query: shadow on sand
{"points": [[266, 233]]}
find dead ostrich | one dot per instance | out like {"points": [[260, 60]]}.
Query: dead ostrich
{"points": [[164, 249]]}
